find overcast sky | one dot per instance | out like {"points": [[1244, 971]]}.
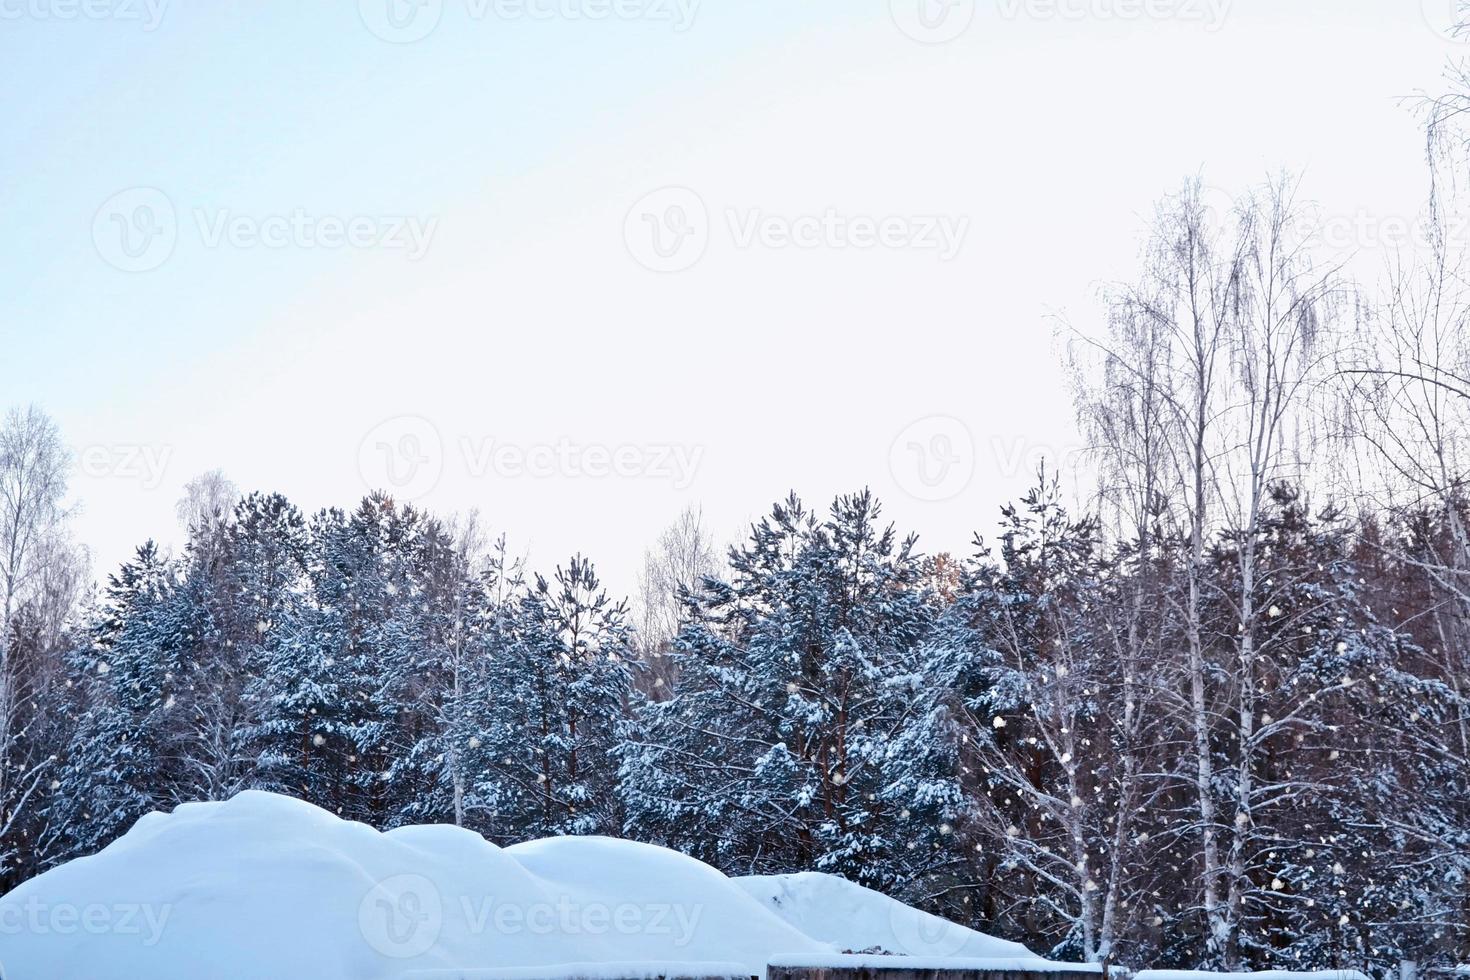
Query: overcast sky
{"points": [[577, 263]]}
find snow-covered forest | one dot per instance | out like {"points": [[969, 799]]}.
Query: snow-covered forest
{"points": [[1210, 711], [1198, 699]]}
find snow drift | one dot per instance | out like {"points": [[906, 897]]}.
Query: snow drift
{"points": [[270, 887], [1260, 975], [845, 916]]}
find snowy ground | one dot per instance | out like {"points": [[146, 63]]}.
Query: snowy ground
{"points": [[269, 887]]}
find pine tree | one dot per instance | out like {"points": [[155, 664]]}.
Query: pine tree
{"points": [[560, 683], [128, 682], [809, 727], [342, 661]]}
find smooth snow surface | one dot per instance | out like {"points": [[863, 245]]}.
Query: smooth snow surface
{"points": [[878, 961], [268, 887], [850, 917], [265, 886], [1262, 975], [633, 970]]}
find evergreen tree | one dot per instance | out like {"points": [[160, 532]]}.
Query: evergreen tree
{"points": [[560, 682], [809, 727], [128, 683]]}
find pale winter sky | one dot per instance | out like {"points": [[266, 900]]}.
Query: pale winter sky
{"points": [[578, 263]]}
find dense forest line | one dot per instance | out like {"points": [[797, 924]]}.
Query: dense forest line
{"points": [[1210, 714]]}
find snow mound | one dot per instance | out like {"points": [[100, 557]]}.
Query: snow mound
{"points": [[845, 916], [264, 886], [1262, 975], [870, 963]]}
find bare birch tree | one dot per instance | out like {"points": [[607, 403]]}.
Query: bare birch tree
{"points": [[33, 468], [684, 554], [1197, 411]]}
